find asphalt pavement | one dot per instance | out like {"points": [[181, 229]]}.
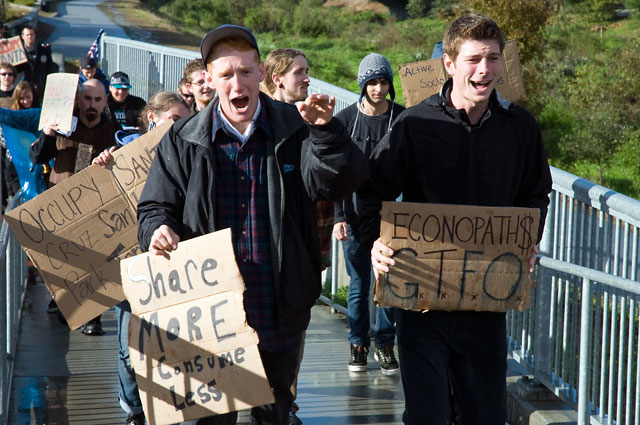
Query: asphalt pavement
{"points": [[76, 25]]}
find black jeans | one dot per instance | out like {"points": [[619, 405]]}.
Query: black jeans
{"points": [[462, 350], [280, 367]]}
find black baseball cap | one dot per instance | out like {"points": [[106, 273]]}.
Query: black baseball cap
{"points": [[224, 31], [87, 62], [120, 80]]}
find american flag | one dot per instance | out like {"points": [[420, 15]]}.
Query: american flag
{"points": [[94, 51]]}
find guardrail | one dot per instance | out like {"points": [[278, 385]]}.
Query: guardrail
{"points": [[13, 273], [588, 226], [590, 357]]}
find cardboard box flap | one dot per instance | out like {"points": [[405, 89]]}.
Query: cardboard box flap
{"points": [[457, 257], [130, 164]]}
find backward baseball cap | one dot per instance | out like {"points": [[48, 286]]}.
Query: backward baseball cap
{"points": [[224, 31], [120, 80]]}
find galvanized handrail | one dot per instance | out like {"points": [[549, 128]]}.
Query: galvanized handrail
{"points": [[13, 272]]}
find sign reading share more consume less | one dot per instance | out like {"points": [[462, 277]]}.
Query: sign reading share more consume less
{"points": [[192, 350], [425, 78], [457, 257]]}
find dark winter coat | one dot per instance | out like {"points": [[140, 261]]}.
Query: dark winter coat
{"points": [[305, 163]]}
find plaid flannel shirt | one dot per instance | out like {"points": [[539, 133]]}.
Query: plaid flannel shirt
{"points": [[242, 204]]}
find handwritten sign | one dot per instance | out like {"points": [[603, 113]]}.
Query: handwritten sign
{"points": [[425, 78], [131, 165], [12, 51], [455, 257], [59, 100], [193, 353], [77, 232]]}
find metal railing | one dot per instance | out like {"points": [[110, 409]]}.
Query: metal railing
{"points": [[151, 68], [581, 336], [13, 272]]}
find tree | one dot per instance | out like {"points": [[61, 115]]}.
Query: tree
{"points": [[417, 8], [521, 20], [602, 100]]}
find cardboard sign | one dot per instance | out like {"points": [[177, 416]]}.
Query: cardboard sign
{"points": [[425, 78], [59, 100], [193, 353], [12, 51], [457, 257], [421, 79], [77, 232]]}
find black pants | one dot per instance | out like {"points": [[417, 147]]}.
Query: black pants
{"points": [[465, 351], [280, 367]]}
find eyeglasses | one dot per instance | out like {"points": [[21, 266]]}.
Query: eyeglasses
{"points": [[187, 95], [198, 83], [10, 74]]}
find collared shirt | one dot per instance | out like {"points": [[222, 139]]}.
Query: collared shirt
{"points": [[241, 196], [243, 137]]}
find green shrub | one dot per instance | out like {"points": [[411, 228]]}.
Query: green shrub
{"points": [[266, 18]]}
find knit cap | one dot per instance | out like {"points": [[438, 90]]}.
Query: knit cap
{"points": [[375, 66]]}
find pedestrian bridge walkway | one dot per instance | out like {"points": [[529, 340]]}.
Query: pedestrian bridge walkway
{"points": [[64, 377]]}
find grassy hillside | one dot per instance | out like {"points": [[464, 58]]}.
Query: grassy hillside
{"points": [[580, 60]]}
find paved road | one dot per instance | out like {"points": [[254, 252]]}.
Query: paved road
{"points": [[76, 26]]}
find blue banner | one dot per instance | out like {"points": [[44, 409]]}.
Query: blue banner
{"points": [[20, 130]]}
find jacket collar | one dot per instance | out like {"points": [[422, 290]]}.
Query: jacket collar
{"points": [[495, 101], [284, 120]]}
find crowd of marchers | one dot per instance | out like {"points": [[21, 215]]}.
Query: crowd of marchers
{"points": [[260, 155]]}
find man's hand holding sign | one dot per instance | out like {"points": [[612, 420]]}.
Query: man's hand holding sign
{"points": [[193, 353]]}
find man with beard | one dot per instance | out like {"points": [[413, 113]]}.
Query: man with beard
{"points": [[93, 134], [287, 75], [194, 74]]}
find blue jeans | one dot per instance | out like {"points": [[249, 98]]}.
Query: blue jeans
{"points": [[358, 262], [129, 396]]}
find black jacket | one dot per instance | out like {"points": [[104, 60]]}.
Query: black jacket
{"points": [[433, 154], [127, 113], [180, 192], [366, 132]]}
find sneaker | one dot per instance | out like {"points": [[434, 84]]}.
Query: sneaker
{"points": [[293, 419], [358, 361], [137, 419], [94, 327], [388, 363], [53, 307]]}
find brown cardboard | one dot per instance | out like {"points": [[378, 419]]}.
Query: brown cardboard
{"points": [[457, 257], [59, 100], [193, 353], [130, 164], [77, 232], [510, 84], [421, 79], [12, 51], [425, 78]]}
